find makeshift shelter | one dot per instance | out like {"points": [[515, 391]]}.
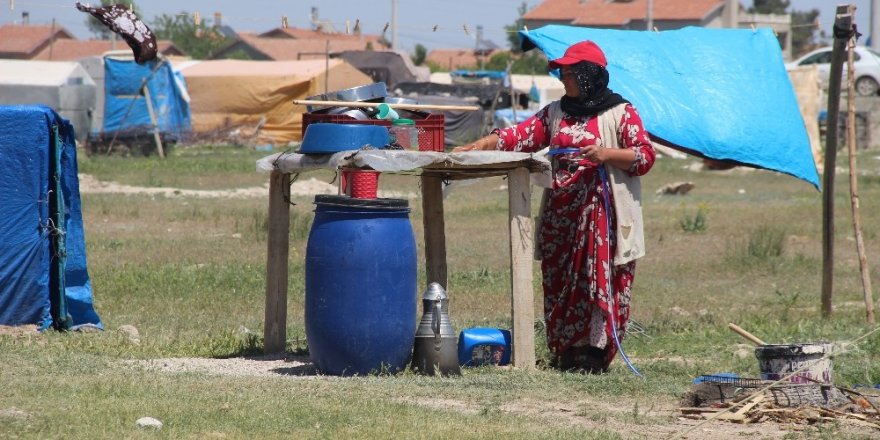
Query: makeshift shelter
{"points": [[44, 278], [142, 98], [62, 85], [722, 94], [257, 96]]}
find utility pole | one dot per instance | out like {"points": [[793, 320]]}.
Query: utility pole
{"points": [[875, 24], [730, 16], [649, 16], [394, 25]]}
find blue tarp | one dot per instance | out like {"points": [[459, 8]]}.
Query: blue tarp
{"points": [[719, 93], [125, 107], [41, 234]]}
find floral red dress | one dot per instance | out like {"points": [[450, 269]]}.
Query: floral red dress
{"points": [[577, 231]]}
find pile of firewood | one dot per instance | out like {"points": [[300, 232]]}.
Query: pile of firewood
{"points": [[755, 401]]}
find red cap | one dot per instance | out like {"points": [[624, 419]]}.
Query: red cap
{"points": [[583, 51]]}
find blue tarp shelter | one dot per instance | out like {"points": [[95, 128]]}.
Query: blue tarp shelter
{"points": [[723, 94], [125, 105], [43, 276]]}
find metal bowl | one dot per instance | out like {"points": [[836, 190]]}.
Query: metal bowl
{"points": [[375, 92]]}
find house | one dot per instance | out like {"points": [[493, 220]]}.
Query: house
{"points": [[23, 42], [54, 43], [455, 59], [626, 14], [291, 44], [72, 50], [665, 15]]}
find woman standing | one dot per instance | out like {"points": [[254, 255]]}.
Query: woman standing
{"points": [[590, 229]]}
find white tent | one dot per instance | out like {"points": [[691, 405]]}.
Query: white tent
{"points": [[62, 85]]}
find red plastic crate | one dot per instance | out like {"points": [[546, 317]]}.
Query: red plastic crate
{"points": [[431, 132]]}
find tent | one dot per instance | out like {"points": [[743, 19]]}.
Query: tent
{"points": [[44, 277], [722, 94], [62, 85], [258, 95], [127, 113]]}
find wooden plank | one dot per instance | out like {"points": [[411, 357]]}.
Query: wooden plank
{"points": [[521, 252], [435, 229], [843, 20], [278, 243]]}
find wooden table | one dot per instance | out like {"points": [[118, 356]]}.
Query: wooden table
{"points": [[435, 168]]}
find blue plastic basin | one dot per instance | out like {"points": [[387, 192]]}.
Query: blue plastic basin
{"points": [[325, 138]]}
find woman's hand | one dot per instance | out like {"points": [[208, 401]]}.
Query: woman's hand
{"points": [[483, 143], [619, 157], [463, 148], [594, 153]]}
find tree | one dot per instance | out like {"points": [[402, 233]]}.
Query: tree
{"points": [[527, 63], [513, 30], [421, 52], [200, 42], [101, 30], [769, 6], [803, 33]]}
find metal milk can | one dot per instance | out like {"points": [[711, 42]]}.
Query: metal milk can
{"points": [[436, 345]]}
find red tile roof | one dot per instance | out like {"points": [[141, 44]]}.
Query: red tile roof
{"points": [[288, 49], [307, 34], [72, 50], [452, 59], [23, 41], [619, 13]]}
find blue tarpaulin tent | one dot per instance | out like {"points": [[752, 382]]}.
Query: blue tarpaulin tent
{"points": [[125, 106], [723, 94], [43, 279]]}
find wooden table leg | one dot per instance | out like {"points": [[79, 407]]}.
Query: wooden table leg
{"points": [[278, 244], [435, 229], [521, 254]]}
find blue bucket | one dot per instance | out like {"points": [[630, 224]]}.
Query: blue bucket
{"points": [[360, 285]]}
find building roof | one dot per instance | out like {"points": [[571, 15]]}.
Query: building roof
{"points": [[23, 41], [620, 12], [309, 34], [286, 49], [458, 58], [211, 68], [70, 50]]}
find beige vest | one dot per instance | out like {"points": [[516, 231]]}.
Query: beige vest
{"points": [[627, 189]]}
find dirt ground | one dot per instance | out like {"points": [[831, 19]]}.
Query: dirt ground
{"points": [[659, 421], [90, 185]]}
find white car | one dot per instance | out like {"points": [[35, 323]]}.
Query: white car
{"points": [[866, 63]]}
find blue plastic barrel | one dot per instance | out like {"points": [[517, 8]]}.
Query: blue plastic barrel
{"points": [[360, 297]]}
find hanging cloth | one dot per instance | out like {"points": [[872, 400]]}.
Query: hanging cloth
{"points": [[122, 21]]}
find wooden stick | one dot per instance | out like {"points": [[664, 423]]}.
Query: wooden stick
{"points": [[466, 108], [853, 187], [739, 330], [843, 20]]}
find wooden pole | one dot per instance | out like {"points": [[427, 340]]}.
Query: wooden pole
{"points": [[156, 137], [435, 230], [278, 242], [853, 185], [843, 22], [467, 108], [519, 196]]}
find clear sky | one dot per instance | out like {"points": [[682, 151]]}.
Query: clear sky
{"points": [[416, 18]]}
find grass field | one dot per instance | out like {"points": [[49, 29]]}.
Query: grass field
{"points": [[743, 246]]}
